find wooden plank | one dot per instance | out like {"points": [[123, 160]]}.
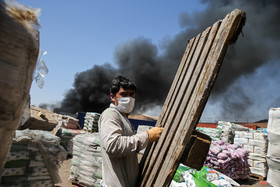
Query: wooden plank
{"points": [[203, 90], [184, 124], [184, 82], [187, 103], [175, 86], [171, 94], [179, 102], [187, 98]]}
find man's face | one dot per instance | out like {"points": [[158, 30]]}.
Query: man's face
{"points": [[122, 93]]}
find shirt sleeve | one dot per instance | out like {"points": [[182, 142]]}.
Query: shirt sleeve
{"points": [[112, 139]]}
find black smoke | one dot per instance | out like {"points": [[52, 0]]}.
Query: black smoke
{"points": [[137, 59], [90, 92], [153, 69], [254, 54]]}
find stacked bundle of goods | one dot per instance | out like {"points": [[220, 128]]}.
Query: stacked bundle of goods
{"points": [[86, 166], [67, 136], [19, 49], [228, 159], [91, 122], [227, 130], [67, 128], [255, 142], [273, 153], [212, 132], [33, 160]]}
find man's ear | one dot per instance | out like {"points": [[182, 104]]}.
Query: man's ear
{"points": [[113, 98]]}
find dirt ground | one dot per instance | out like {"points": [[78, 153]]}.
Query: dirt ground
{"points": [[64, 173]]}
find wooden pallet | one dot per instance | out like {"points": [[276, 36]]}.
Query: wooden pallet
{"points": [[187, 98], [258, 177]]}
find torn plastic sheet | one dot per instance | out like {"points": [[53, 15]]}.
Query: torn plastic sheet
{"points": [[41, 69]]}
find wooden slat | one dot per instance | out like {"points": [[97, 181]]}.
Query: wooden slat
{"points": [[187, 97], [185, 127], [179, 102], [169, 112], [164, 115], [187, 102]]}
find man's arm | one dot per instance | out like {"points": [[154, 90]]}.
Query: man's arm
{"points": [[113, 140]]}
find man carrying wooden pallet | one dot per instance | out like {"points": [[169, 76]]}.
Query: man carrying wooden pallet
{"points": [[119, 143]]}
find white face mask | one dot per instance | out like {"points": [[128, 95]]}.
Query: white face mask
{"points": [[125, 104]]}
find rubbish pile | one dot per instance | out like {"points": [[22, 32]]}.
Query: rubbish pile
{"points": [[229, 159], [273, 152], [86, 168], [34, 159]]}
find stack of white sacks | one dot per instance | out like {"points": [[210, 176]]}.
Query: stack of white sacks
{"points": [[227, 130], [273, 153], [66, 136], [214, 133], [256, 143], [86, 166], [91, 122]]}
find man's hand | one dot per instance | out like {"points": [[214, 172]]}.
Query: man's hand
{"points": [[154, 133]]}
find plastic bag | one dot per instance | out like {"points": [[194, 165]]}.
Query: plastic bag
{"points": [[181, 168], [41, 70]]}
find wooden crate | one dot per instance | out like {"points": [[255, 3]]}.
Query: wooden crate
{"points": [[196, 150]]}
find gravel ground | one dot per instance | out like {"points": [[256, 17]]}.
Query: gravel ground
{"points": [[64, 173]]}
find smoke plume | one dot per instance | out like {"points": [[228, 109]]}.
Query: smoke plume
{"points": [[248, 68]]}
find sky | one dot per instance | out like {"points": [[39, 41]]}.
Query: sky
{"points": [[81, 38], [79, 35]]}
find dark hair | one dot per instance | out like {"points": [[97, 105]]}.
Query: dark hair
{"points": [[121, 81]]}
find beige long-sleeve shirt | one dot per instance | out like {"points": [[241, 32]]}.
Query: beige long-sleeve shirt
{"points": [[119, 148]]}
